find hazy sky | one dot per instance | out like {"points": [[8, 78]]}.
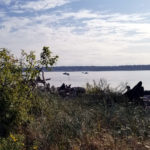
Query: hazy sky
{"points": [[81, 32]]}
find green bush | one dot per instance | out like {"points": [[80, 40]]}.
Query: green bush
{"points": [[13, 142], [17, 78], [15, 94]]}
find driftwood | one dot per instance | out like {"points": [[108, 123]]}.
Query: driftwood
{"points": [[136, 93], [67, 90]]}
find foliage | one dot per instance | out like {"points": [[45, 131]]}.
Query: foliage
{"points": [[13, 142], [47, 58], [14, 94], [90, 122], [16, 88]]}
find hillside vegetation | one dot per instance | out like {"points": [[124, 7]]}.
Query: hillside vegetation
{"points": [[32, 119]]}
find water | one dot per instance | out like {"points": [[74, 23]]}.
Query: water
{"points": [[114, 78]]}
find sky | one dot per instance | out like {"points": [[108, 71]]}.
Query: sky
{"points": [[80, 32]]}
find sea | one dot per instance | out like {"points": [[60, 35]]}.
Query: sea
{"points": [[115, 79]]}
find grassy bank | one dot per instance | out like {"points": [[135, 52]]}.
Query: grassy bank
{"points": [[101, 119]]}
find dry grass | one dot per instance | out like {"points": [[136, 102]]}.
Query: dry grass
{"points": [[102, 119]]}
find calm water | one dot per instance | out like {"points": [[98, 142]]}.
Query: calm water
{"points": [[114, 78]]}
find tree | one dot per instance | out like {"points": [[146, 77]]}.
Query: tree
{"points": [[16, 88]]}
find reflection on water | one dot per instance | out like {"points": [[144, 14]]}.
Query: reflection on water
{"points": [[114, 78]]}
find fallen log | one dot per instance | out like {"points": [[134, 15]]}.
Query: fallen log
{"points": [[67, 90], [136, 93]]}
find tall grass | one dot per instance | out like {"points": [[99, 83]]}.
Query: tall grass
{"points": [[101, 119]]}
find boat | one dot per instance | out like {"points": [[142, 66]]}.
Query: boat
{"points": [[66, 73], [85, 72]]}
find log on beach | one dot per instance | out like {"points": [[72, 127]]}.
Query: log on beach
{"points": [[138, 95], [67, 90], [136, 92]]}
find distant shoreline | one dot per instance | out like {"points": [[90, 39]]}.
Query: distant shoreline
{"points": [[100, 68]]}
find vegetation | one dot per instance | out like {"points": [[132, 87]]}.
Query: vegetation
{"points": [[32, 119], [16, 91]]}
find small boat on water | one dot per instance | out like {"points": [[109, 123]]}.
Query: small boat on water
{"points": [[85, 72], [66, 73]]}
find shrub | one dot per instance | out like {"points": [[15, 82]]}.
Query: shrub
{"points": [[16, 87], [12, 142]]}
